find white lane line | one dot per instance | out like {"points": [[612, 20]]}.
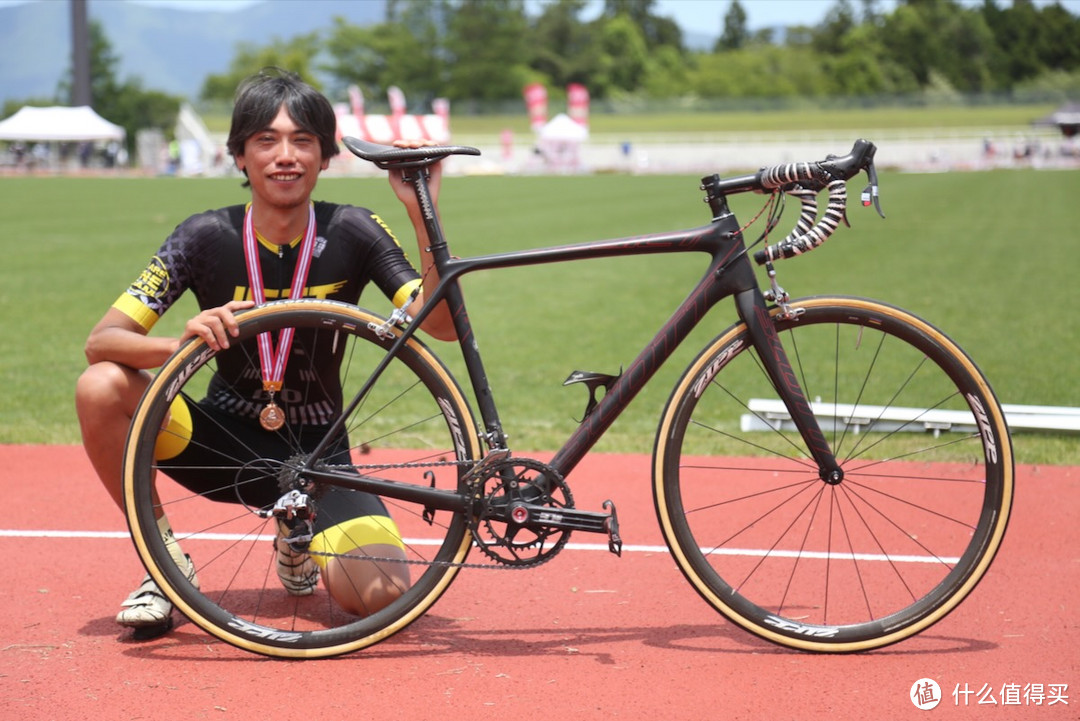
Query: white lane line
{"points": [[748, 552]]}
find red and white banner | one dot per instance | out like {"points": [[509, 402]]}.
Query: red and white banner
{"points": [[397, 108], [577, 103], [441, 107], [356, 101], [397, 100], [537, 103], [385, 129]]}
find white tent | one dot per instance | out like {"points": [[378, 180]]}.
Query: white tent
{"points": [[562, 128], [58, 124], [1067, 114], [559, 142]]}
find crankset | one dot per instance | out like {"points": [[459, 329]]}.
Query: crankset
{"points": [[523, 513]]}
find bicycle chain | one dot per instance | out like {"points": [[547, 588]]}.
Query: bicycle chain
{"points": [[417, 562]]}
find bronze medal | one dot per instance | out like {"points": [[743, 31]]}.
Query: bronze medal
{"points": [[273, 363], [272, 417]]}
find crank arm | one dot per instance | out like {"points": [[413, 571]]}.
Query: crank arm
{"points": [[537, 517]]}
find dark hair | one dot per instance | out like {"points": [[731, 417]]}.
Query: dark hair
{"points": [[260, 97]]}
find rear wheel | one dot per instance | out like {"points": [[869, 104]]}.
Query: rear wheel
{"points": [[414, 426], [885, 553]]}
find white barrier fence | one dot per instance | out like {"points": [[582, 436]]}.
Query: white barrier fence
{"points": [[768, 414], [930, 150]]}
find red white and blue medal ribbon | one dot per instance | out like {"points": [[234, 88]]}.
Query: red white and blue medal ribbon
{"points": [[273, 363]]}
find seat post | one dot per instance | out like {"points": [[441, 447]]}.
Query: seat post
{"points": [[418, 178]]}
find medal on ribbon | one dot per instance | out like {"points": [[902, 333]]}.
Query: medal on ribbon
{"points": [[271, 362]]}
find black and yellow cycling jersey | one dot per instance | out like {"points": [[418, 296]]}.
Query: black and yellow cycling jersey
{"points": [[205, 255]]}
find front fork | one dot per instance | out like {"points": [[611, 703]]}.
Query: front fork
{"points": [[754, 312]]}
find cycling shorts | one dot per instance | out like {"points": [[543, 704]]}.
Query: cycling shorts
{"points": [[202, 449]]}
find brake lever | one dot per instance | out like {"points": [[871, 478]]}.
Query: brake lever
{"points": [[871, 193]]}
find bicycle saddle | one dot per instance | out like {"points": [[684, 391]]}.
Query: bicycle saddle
{"points": [[389, 156]]}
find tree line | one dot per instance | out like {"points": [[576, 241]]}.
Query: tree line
{"points": [[485, 51], [488, 50]]}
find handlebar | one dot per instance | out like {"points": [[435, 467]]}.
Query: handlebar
{"points": [[804, 180]]}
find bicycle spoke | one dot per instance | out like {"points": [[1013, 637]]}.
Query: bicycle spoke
{"points": [[802, 487], [793, 557], [802, 548], [851, 484], [235, 547], [805, 460]]}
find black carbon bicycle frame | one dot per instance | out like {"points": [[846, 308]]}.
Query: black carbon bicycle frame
{"points": [[730, 273]]}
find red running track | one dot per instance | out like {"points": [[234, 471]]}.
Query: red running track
{"points": [[586, 636]]}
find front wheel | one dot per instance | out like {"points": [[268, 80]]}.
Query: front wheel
{"points": [[878, 557], [197, 456]]}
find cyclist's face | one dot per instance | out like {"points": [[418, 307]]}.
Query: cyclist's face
{"points": [[282, 162]]}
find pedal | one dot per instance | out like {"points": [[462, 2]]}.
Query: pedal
{"points": [[612, 527]]}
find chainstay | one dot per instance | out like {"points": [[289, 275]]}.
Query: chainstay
{"points": [[417, 562], [427, 464]]}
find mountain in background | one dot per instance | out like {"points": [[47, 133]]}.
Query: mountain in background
{"points": [[170, 50]]}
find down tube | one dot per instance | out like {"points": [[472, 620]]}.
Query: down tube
{"points": [[737, 276]]}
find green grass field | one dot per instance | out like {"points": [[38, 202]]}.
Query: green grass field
{"points": [[989, 257]]}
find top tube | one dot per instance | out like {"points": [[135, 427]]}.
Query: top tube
{"points": [[803, 180]]}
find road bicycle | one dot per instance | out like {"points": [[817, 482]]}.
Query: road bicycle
{"points": [[832, 474]]}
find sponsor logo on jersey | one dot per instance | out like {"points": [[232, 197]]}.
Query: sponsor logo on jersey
{"points": [[385, 227], [154, 280]]}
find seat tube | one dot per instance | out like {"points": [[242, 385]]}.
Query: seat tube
{"points": [[754, 312], [494, 435]]}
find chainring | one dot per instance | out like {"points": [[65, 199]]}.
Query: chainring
{"points": [[517, 481]]}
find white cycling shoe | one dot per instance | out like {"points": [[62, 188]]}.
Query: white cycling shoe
{"points": [[147, 610], [296, 570]]}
